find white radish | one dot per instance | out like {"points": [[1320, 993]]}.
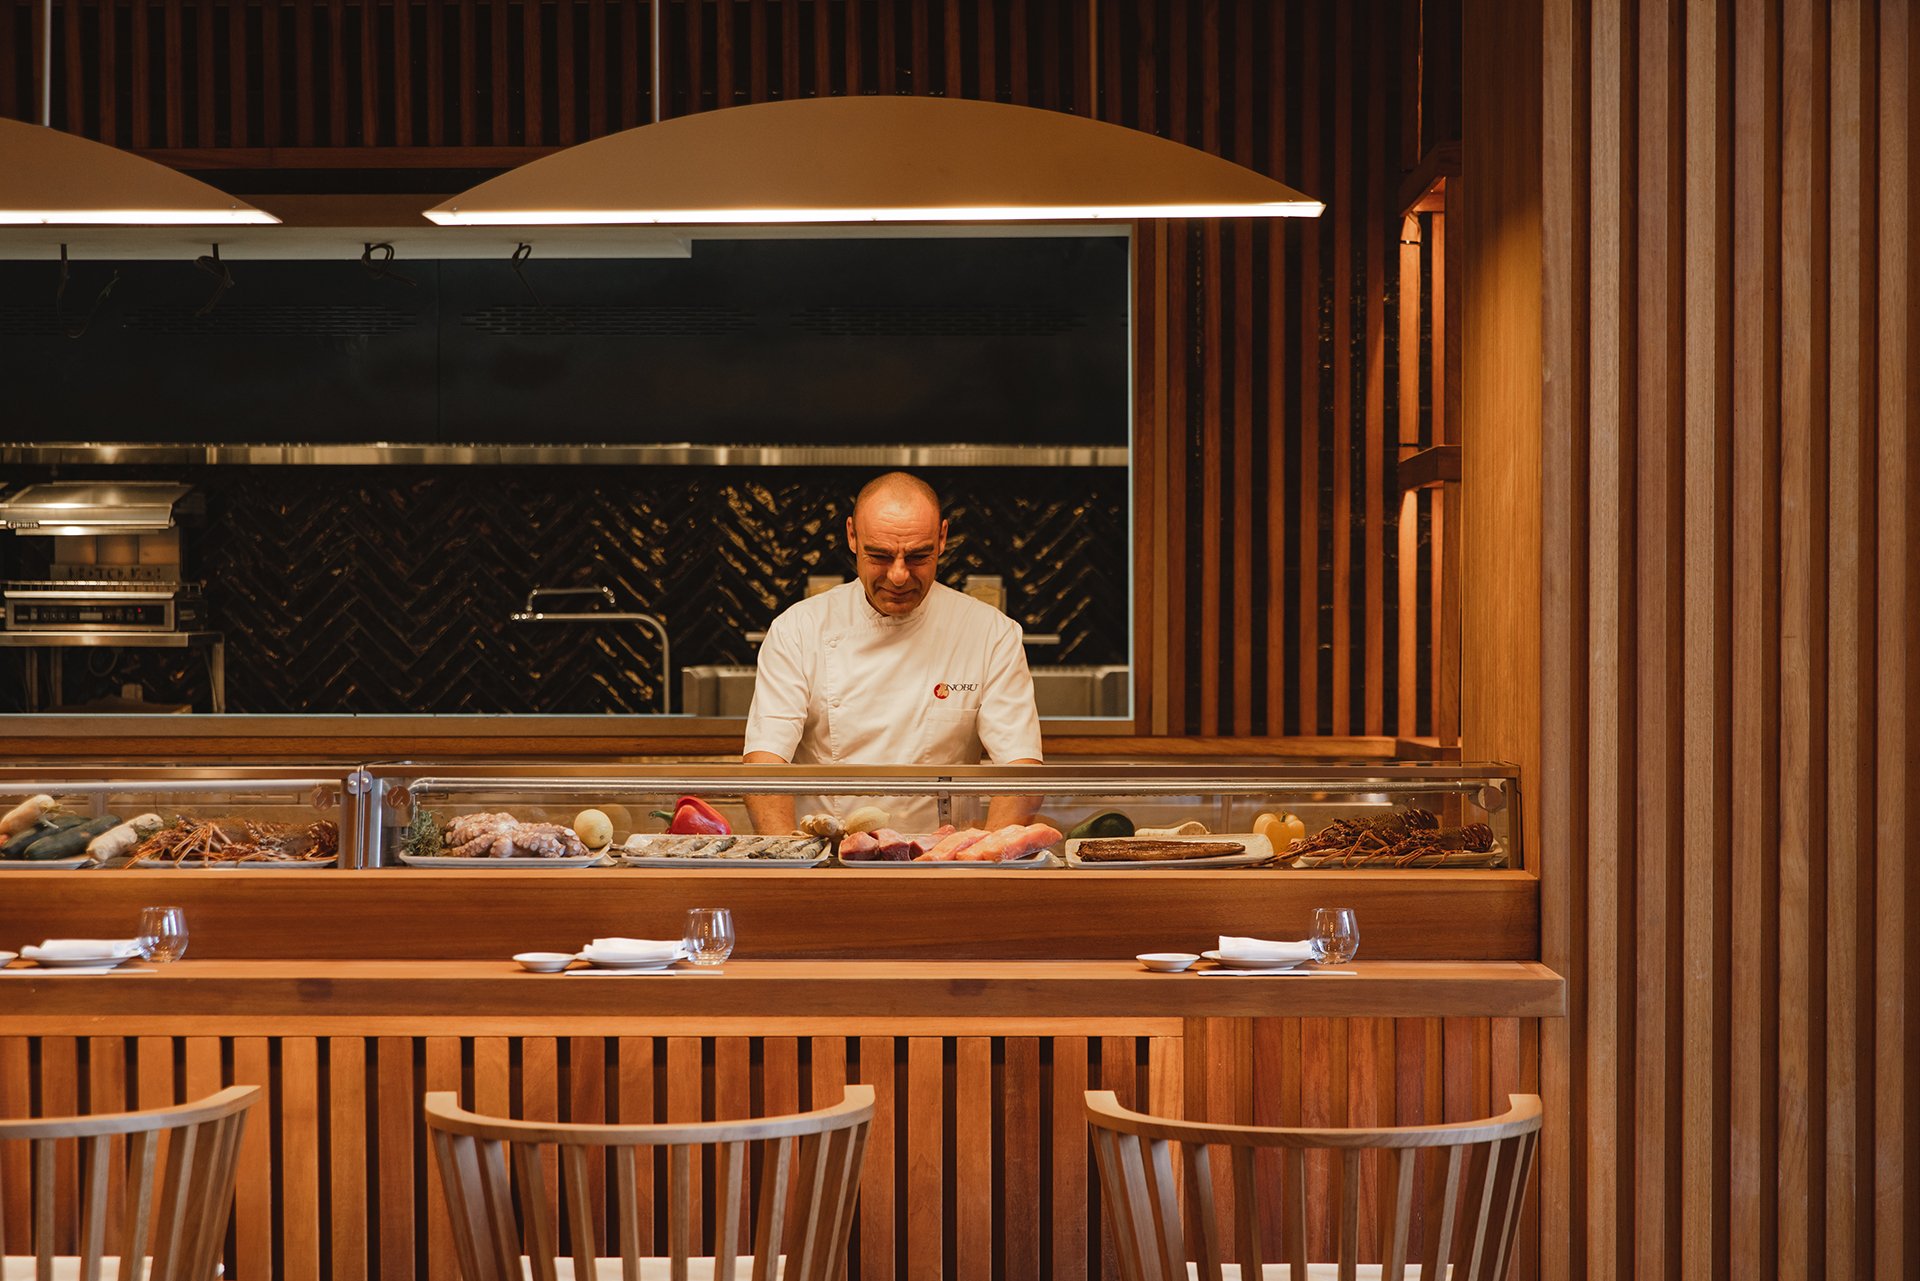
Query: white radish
{"points": [[26, 814], [116, 841]]}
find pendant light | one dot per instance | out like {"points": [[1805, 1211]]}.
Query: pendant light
{"points": [[872, 159], [54, 179]]}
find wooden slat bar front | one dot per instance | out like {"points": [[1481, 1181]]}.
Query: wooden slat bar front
{"points": [[980, 1161]]}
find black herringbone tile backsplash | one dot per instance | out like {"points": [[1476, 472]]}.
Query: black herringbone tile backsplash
{"points": [[389, 589]]}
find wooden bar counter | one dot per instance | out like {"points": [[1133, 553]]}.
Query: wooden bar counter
{"points": [[979, 1164]]}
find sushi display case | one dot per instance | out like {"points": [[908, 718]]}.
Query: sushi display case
{"points": [[1087, 818], [221, 817]]}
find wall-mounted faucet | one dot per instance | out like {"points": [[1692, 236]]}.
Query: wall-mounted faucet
{"points": [[612, 614]]}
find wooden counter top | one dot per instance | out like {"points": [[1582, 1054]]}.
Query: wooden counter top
{"points": [[287, 997]]}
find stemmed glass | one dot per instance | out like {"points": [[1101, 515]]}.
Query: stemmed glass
{"points": [[709, 935], [1336, 935], [163, 933]]}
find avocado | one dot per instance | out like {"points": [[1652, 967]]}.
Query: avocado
{"points": [[1103, 827]]}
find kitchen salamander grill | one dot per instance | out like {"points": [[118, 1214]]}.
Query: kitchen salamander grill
{"points": [[115, 562]]}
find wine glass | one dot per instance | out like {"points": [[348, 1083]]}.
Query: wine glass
{"points": [[1336, 935], [709, 935], [163, 933]]}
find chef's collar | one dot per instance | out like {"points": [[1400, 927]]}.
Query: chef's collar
{"points": [[879, 619]]}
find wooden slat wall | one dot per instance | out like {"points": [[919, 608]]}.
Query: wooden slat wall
{"points": [[1729, 675], [1283, 586], [979, 1164]]}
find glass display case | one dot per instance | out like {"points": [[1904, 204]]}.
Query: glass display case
{"points": [[1087, 818], [252, 817]]}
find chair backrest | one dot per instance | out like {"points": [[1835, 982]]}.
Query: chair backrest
{"points": [[1278, 1179], [123, 1187], [781, 1185]]}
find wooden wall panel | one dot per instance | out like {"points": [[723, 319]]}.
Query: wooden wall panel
{"points": [[1728, 604], [994, 1126], [1269, 586]]}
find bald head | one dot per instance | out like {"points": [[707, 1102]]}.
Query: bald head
{"points": [[896, 536], [894, 488]]}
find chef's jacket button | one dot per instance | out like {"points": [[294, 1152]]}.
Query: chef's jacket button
{"points": [[834, 703]]}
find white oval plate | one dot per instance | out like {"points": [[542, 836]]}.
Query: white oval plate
{"points": [[1254, 963], [447, 860], [43, 865], [82, 962]]}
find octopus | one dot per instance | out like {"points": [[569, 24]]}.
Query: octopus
{"points": [[1394, 840], [238, 840], [504, 836]]}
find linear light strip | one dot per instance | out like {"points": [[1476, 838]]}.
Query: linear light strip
{"points": [[952, 213], [134, 217]]}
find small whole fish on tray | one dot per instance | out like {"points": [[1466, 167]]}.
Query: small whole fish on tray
{"points": [[772, 848]]}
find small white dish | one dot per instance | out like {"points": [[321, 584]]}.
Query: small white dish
{"points": [[650, 965], [1166, 962], [8, 958], [544, 962], [1255, 962], [84, 962]]}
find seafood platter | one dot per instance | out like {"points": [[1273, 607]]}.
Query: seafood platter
{"points": [[42, 833]]}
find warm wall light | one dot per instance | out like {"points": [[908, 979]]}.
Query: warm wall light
{"points": [[54, 179], [872, 159]]}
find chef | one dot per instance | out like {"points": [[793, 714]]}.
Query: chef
{"points": [[894, 669]]}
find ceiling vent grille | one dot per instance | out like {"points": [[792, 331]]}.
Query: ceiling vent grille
{"points": [[943, 320], [587, 320]]}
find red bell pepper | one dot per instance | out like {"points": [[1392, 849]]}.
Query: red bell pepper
{"points": [[694, 817]]}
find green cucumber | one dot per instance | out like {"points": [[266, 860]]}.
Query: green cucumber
{"points": [[70, 842], [16, 847]]}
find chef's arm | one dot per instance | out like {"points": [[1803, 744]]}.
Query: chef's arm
{"points": [[1003, 811], [772, 815]]}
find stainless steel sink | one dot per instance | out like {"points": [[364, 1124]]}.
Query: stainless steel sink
{"points": [[716, 690]]}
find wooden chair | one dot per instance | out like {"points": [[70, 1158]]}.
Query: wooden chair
{"points": [[107, 1204], [1462, 1229], [804, 1168]]}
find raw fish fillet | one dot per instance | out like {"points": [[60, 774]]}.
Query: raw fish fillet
{"points": [[951, 846], [1015, 841], [860, 845], [883, 845]]}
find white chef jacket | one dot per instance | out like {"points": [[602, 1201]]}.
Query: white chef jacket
{"points": [[840, 683]]}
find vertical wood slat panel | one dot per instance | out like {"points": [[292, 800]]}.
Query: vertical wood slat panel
{"points": [[973, 1153], [349, 1204], [1802, 650], [1794, 1139], [1707, 654], [301, 1128], [1896, 1157], [1755, 750], [396, 1106], [443, 1072], [253, 1201], [924, 1186], [877, 1182]]}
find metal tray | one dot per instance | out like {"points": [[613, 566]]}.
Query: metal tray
{"points": [[448, 861]]}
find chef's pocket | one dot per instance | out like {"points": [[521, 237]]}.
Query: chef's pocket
{"points": [[950, 736]]}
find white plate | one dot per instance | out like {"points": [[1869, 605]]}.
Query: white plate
{"points": [[83, 962], [447, 860], [1043, 859], [1254, 962], [8, 958], [204, 865], [628, 967], [43, 865], [1259, 850]]}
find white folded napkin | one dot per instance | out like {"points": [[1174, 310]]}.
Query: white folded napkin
{"points": [[68, 949], [617, 949], [1246, 949]]}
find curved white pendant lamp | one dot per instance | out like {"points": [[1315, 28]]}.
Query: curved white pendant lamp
{"points": [[872, 159], [54, 179]]}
